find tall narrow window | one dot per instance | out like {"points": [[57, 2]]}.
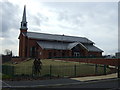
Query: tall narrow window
{"points": [[63, 54], [26, 51], [50, 55], [54, 54], [33, 52]]}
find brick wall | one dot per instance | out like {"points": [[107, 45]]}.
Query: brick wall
{"points": [[25, 45], [55, 53], [6, 58], [17, 59], [94, 54], [22, 45], [113, 62]]}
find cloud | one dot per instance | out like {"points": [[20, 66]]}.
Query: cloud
{"points": [[9, 18], [10, 26], [96, 21], [119, 27], [36, 19]]}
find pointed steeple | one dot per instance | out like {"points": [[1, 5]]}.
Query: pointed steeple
{"points": [[24, 22], [24, 14]]}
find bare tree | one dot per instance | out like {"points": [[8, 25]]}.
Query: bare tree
{"points": [[8, 52]]}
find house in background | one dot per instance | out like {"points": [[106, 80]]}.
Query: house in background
{"points": [[117, 54], [42, 45]]}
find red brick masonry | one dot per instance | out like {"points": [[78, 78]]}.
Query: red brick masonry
{"points": [[17, 59], [113, 62]]}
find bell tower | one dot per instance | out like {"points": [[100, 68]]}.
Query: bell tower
{"points": [[22, 38], [23, 27]]}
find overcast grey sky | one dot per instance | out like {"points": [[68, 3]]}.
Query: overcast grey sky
{"points": [[97, 21]]}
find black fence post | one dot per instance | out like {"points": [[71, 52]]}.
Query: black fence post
{"points": [[75, 70], [104, 69], [13, 71], [118, 71], [8, 70], [50, 71], [96, 68]]}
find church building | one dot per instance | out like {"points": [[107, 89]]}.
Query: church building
{"points": [[43, 45]]}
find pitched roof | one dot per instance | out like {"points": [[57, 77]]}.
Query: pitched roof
{"points": [[93, 48], [88, 47], [55, 37], [53, 45], [66, 46], [71, 45]]}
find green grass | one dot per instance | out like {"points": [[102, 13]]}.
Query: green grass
{"points": [[0, 76], [4, 76], [61, 68]]}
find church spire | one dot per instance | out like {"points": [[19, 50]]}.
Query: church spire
{"points": [[24, 22], [24, 14]]}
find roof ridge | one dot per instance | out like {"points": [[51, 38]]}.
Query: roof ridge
{"points": [[57, 35]]}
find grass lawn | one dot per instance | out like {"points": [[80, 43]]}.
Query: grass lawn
{"points": [[58, 68], [0, 76]]}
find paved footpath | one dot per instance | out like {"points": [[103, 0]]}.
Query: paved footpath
{"points": [[109, 76], [55, 82]]}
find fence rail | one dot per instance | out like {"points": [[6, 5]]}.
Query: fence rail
{"points": [[8, 70], [58, 71]]}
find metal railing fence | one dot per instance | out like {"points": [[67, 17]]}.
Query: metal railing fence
{"points": [[58, 70]]}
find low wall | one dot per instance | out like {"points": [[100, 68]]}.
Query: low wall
{"points": [[17, 59], [112, 62], [6, 58]]}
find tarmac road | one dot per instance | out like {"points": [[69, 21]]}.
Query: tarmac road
{"points": [[110, 82], [107, 84]]}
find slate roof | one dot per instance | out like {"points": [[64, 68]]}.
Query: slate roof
{"points": [[53, 41], [71, 45], [53, 45], [55, 37], [66, 46], [93, 48]]}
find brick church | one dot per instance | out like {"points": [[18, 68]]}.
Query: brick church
{"points": [[43, 45]]}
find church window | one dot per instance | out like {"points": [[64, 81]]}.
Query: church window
{"points": [[54, 53], [76, 54], [26, 51], [33, 51], [50, 54], [40, 53], [63, 54], [24, 24]]}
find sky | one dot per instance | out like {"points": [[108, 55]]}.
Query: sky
{"points": [[97, 21]]}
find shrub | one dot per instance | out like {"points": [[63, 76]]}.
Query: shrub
{"points": [[4, 76]]}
